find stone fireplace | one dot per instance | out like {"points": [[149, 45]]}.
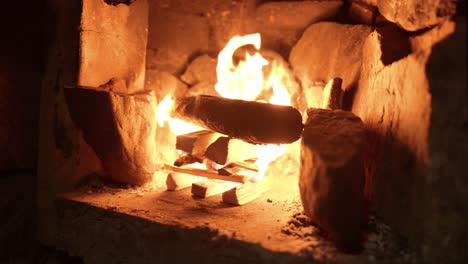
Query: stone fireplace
{"points": [[372, 135]]}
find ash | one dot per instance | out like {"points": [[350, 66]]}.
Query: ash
{"points": [[382, 244]]}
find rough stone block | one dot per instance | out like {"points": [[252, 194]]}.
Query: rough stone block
{"points": [[174, 38], [121, 129], [202, 69], [362, 12], [164, 83], [282, 23], [406, 161], [413, 15], [342, 59], [331, 180], [113, 44]]}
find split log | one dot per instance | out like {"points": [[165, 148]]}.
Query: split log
{"points": [[215, 147], [253, 122], [188, 142], [208, 188], [246, 192], [227, 150], [207, 174], [333, 94], [177, 181], [362, 13], [331, 179]]}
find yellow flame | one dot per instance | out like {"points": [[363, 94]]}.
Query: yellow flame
{"points": [[246, 81], [177, 126]]}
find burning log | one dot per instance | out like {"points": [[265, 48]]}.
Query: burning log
{"points": [[246, 193], [253, 122], [215, 147], [207, 174], [331, 180], [333, 94], [208, 188]]}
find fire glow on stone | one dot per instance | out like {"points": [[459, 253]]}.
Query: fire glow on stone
{"points": [[245, 81]]}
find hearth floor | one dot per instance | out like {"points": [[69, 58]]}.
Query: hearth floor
{"points": [[152, 225]]}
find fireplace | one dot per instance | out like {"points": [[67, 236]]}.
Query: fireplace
{"points": [[250, 131]]}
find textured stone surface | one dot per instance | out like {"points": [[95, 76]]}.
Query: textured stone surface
{"points": [[362, 13], [174, 38], [120, 128], [413, 15], [342, 59], [282, 23], [410, 136], [164, 83], [331, 180], [201, 69], [113, 43]]}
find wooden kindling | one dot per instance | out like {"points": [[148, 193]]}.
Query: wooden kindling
{"points": [[207, 174], [253, 122], [333, 94], [237, 167], [215, 147]]}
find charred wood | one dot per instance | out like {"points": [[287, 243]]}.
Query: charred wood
{"points": [[253, 122]]}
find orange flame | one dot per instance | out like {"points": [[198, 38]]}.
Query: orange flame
{"points": [[245, 81]]}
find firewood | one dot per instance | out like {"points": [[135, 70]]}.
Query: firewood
{"points": [[332, 171], [253, 122], [237, 167], [177, 181], [246, 192], [333, 94], [207, 174], [188, 141], [208, 188], [215, 147]]}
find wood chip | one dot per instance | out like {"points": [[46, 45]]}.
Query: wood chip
{"points": [[207, 174], [246, 193], [208, 188], [177, 181]]}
